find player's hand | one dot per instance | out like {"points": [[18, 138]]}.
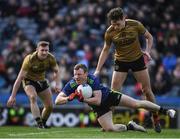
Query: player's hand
{"points": [[72, 96], [96, 73], [11, 101], [147, 57], [80, 96]]}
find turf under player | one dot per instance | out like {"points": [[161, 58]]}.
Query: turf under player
{"points": [[124, 34], [103, 98], [32, 75]]}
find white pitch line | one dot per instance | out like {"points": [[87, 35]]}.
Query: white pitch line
{"points": [[38, 133]]}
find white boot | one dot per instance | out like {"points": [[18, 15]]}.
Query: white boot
{"points": [[171, 113], [133, 126]]}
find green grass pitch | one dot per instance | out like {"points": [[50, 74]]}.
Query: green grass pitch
{"points": [[63, 132]]}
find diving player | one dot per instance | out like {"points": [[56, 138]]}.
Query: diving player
{"points": [[103, 99]]}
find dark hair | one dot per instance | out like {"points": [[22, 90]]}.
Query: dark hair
{"points": [[81, 66], [115, 14], [43, 43]]}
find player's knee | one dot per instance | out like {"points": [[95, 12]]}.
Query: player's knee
{"points": [[32, 98], [109, 129], [115, 86]]}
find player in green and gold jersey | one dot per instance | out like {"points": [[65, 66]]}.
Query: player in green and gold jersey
{"points": [[124, 34], [32, 75]]}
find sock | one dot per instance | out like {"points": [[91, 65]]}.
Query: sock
{"points": [[163, 111], [155, 117], [38, 120]]}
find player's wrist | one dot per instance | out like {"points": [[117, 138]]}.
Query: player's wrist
{"points": [[68, 99], [13, 96], [97, 71], [148, 51]]}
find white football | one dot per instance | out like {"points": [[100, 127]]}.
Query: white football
{"points": [[86, 90]]}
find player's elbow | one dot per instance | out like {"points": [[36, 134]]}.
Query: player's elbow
{"points": [[97, 98], [60, 100], [57, 101], [97, 101], [150, 37]]}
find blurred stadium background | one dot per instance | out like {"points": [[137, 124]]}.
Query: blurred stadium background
{"points": [[75, 29]]}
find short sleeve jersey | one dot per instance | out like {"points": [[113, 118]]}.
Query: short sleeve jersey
{"points": [[126, 41], [36, 68], [93, 81]]}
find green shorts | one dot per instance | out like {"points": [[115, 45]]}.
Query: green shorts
{"points": [[38, 85]]}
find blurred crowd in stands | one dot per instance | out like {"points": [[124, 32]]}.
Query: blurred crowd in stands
{"points": [[75, 29]]}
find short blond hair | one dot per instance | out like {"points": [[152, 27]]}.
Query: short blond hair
{"points": [[43, 43]]}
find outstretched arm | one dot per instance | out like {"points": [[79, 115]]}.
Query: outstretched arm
{"points": [[61, 99], [12, 98], [102, 58]]}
